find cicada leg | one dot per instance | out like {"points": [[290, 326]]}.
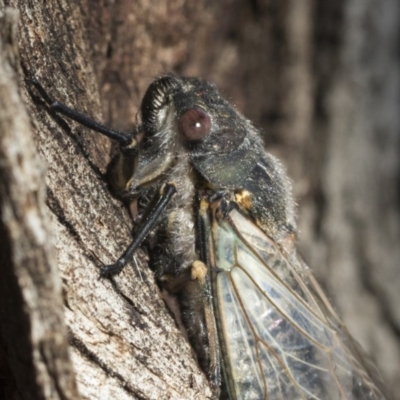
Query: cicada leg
{"points": [[121, 137], [149, 220]]}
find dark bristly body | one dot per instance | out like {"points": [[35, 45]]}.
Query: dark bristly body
{"points": [[225, 244]]}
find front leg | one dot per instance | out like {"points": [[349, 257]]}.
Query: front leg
{"points": [[150, 219], [123, 138]]}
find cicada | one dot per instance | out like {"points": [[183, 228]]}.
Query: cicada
{"points": [[218, 218]]}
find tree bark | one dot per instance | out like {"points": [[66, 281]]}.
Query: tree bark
{"points": [[123, 342], [33, 332], [320, 77]]}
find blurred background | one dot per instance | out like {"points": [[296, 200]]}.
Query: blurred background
{"points": [[320, 78]]}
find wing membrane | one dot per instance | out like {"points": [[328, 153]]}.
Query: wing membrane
{"points": [[280, 339]]}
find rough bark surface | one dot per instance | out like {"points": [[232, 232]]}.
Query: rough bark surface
{"points": [[320, 77], [33, 332]]}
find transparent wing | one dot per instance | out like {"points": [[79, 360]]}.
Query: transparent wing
{"points": [[280, 337]]}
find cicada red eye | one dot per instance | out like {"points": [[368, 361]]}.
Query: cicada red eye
{"points": [[195, 124]]}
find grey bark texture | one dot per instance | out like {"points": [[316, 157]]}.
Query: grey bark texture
{"points": [[320, 77], [34, 335]]}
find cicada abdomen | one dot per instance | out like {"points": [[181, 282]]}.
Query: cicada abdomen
{"points": [[223, 233]]}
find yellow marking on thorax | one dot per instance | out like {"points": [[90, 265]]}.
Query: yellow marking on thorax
{"points": [[243, 198]]}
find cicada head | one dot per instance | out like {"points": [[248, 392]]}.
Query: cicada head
{"points": [[187, 118]]}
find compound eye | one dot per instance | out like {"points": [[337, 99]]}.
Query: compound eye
{"points": [[195, 124]]}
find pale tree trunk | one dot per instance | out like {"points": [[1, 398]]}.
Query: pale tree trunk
{"points": [[34, 345], [320, 77]]}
